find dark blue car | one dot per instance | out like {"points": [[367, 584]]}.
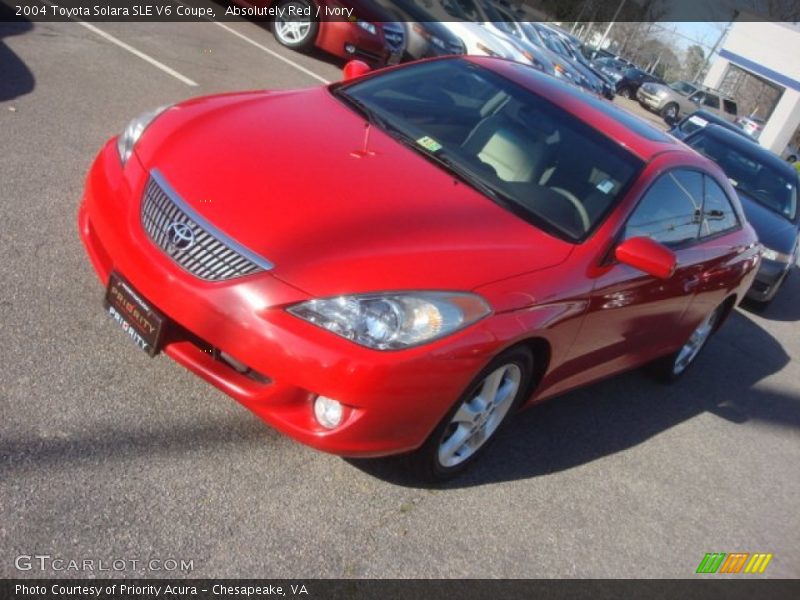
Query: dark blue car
{"points": [[767, 187]]}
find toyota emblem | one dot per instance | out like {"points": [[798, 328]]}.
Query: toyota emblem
{"points": [[180, 236]]}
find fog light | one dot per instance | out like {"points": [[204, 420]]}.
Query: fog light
{"points": [[328, 412]]}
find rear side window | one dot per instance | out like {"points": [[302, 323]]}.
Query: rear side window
{"points": [[669, 213], [711, 100], [729, 106], [718, 213]]}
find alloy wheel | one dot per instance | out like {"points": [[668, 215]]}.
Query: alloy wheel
{"points": [[293, 32], [479, 416], [695, 343]]}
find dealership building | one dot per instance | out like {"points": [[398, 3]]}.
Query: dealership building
{"points": [[759, 66]]}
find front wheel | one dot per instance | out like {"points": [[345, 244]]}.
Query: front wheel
{"points": [[474, 421], [672, 367], [670, 112], [295, 31]]}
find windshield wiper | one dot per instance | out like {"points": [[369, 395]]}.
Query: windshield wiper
{"points": [[361, 107]]}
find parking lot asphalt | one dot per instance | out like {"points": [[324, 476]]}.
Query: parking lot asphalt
{"points": [[107, 454]]}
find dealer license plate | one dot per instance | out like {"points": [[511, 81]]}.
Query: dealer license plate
{"points": [[134, 315]]}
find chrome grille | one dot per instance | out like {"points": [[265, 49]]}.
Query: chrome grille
{"points": [[199, 247]]}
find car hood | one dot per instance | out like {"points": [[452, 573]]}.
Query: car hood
{"points": [[773, 230], [337, 207]]}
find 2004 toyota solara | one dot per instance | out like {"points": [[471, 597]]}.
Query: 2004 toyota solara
{"points": [[394, 263]]}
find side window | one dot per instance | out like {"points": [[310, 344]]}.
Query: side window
{"points": [[718, 214], [697, 97], [711, 100], [670, 210]]}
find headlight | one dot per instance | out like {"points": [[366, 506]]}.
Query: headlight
{"points": [[771, 254], [127, 140], [366, 26], [393, 321]]}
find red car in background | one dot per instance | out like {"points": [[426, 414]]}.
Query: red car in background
{"points": [[394, 264], [368, 33]]}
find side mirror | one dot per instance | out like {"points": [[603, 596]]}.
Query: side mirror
{"points": [[647, 255], [354, 68]]}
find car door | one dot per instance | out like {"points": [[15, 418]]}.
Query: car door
{"points": [[724, 255], [634, 317]]}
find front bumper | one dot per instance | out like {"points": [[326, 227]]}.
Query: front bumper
{"points": [[347, 40], [393, 400], [768, 280]]}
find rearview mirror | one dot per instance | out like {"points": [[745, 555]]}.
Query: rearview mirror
{"points": [[647, 255], [354, 68]]}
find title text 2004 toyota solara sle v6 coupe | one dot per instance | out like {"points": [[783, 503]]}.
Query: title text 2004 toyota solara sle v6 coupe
{"points": [[395, 263]]}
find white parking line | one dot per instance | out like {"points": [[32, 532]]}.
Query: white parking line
{"points": [[145, 57], [272, 53]]}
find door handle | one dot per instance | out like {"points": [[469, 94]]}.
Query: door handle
{"points": [[691, 282]]}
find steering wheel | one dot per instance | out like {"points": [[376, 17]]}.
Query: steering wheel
{"points": [[577, 204]]}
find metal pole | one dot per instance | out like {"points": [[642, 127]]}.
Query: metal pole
{"points": [[613, 19]]}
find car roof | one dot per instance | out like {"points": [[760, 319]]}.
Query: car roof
{"points": [[630, 131], [746, 146]]}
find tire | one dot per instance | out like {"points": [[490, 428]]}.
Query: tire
{"points": [[297, 35], [670, 112], [626, 93], [671, 368], [507, 379]]}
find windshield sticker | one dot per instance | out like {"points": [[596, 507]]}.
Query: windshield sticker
{"points": [[698, 121], [430, 144], [605, 186]]}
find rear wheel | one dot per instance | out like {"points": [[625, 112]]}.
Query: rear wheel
{"points": [[672, 367], [474, 421], [626, 92], [296, 31]]}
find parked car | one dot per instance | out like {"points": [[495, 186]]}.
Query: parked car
{"points": [[546, 60], [767, 188], [477, 40], [632, 79], [711, 101], [698, 120], [577, 50], [374, 37], [612, 68], [752, 126], [665, 99], [425, 36], [498, 237], [554, 41]]}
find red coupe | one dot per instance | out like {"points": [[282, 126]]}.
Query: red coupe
{"points": [[395, 263], [344, 28]]}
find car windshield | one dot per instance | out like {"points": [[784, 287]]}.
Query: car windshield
{"points": [[512, 145], [748, 174], [683, 88]]}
